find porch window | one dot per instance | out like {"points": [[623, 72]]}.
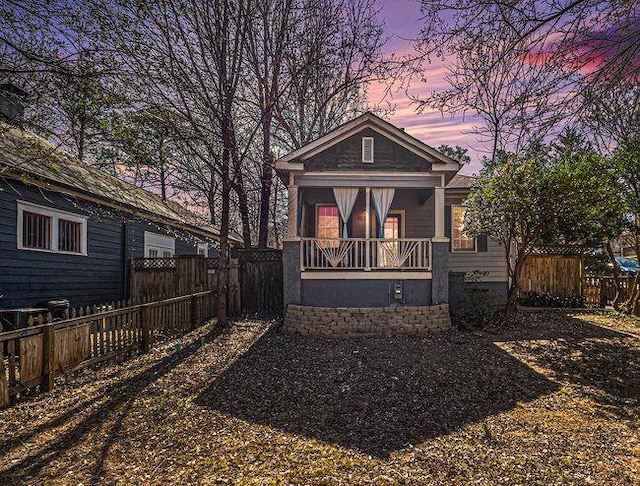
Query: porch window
{"points": [[44, 229], [327, 222], [460, 241], [389, 250]]}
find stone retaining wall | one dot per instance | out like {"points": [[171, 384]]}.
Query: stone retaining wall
{"points": [[342, 322]]}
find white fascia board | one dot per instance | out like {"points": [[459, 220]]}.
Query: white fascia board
{"points": [[367, 179], [290, 166]]}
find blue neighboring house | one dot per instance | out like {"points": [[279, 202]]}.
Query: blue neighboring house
{"points": [[68, 230]]}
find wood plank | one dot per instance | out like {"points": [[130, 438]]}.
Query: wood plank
{"points": [[4, 385], [11, 351], [30, 358], [72, 347]]}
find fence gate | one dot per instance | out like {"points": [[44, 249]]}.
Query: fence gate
{"points": [[261, 286]]}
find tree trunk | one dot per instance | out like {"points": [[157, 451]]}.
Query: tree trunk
{"points": [[223, 260], [243, 206], [266, 182], [634, 295], [514, 289], [616, 277], [163, 182]]}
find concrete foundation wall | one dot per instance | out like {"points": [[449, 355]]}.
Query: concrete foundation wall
{"points": [[352, 322], [363, 293], [461, 291]]}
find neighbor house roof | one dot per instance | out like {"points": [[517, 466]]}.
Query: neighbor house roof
{"points": [[294, 161], [31, 159], [461, 181]]}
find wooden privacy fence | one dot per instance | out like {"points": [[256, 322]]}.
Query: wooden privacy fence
{"points": [[34, 356], [254, 282], [168, 276], [181, 275], [261, 285], [559, 275]]}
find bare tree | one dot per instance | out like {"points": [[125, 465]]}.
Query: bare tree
{"points": [[517, 100], [338, 45], [593, 41], [186, 56]]}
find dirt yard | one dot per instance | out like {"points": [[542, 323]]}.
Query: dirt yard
{"points": [[553, 399]]}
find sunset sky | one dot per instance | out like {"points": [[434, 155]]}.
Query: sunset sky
{"points": [[403, 21]]}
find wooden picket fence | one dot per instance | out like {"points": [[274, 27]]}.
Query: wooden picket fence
{"points": [[32, 357], [601, 291]]}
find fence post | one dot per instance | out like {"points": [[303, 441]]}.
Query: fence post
{"points": [[48, 356], [146, 327], [194, 312], [4, 386], [603, 292]]}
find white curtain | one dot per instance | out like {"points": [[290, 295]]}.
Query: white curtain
{"points": [[382, 199], [345, 199]]}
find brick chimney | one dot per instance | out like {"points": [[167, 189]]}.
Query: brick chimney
{"points": [[12, 103]]}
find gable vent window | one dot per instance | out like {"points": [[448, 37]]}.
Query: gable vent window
{"points": [[367, 150], [44, 229]]}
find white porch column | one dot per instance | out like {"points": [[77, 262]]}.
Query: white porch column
{"points": [[439, 214], [367, 228], [292, 230]]}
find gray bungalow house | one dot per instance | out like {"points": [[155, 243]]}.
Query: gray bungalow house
{"points": [[376, 235], [68, 230]]}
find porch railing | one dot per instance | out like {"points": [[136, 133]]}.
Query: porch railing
{"points": [[365, 254]]}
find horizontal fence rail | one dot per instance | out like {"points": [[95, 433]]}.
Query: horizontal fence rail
{"points": [[35, 355], [365, 254]]}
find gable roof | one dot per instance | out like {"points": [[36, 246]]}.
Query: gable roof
{"points": [[295, 160], [29, 158]]}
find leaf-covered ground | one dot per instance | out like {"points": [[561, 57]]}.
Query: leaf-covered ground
{"points": [[552, 399]]}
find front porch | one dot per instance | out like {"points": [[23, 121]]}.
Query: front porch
{"points": [[365, 254], [354, 245]]}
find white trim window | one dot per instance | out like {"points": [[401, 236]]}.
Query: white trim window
{"points": [[203, 249], [367, 150], [460, 241], [52, 230], [158, 246]]}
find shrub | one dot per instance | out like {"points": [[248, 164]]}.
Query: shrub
{"points": [[545, 299]]}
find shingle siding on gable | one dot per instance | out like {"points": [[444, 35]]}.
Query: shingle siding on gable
{"points": [[347, 156]]}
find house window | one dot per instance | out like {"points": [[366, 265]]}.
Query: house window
{"points": [[36, 231], [158, 246], [203, 249], [69, 236], [328, 222], [44, 229], [367, 150], [460, 241]]}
